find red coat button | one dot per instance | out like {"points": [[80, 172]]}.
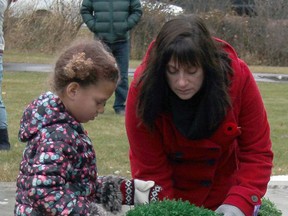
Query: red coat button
{"points": [[230, 128], [254, 198]]}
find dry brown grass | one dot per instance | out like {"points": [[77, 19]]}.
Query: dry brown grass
{"points": [[259, 40]]}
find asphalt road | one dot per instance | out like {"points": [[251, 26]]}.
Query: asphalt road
{"points": [[26, 67]]}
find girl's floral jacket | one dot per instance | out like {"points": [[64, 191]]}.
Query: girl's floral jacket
{"points": [[58, 173], [58, 169]]}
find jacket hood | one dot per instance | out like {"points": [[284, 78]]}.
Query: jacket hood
{"points": [[46, 110]]}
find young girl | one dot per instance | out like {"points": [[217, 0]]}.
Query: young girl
{"points": [[58, 173]]}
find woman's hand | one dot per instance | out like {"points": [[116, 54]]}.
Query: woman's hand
{"points": [[229, 210]]}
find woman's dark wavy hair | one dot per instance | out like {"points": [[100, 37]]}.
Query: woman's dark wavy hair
{"points": [[186, 40]]}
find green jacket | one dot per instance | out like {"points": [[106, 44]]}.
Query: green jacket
{"points": [[111, 20]]}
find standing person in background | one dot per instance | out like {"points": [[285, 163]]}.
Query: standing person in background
{"points": [[111, 22], [4, 140], [196, 122]]}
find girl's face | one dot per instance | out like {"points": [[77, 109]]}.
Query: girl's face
{"points": [[185, 82], [88, 102]]}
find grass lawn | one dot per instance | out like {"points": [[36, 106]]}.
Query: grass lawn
{"points": [[41, 58], [108, 132]]}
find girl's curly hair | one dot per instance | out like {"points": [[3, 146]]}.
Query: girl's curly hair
{"points": [[85, 62]]}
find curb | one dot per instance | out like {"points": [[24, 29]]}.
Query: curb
{"points": [[278, 182]]}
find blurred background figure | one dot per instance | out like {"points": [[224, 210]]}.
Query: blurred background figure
{"points": [[4, 140], [111, 22]]}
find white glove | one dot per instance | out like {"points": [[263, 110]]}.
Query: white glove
{"points": [[136, 191], [229, 210], [142, 190]]}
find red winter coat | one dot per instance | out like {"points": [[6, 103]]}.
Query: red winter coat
{"points": [[232, 167]]}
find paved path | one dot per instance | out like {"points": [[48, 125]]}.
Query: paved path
{"points": [[277, 193], [260, 77], [27, 67]]}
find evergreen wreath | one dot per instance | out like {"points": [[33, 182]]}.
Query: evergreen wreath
{"points": [[184, 208]]}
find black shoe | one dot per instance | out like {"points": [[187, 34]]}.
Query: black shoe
{"points": [[5, 147], [120, 112], [4, 142]]}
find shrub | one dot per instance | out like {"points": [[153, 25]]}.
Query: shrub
{"points": [[259, 40], [268, 208], [40, 30], [170, 208], [184, 208], [147, 29]]}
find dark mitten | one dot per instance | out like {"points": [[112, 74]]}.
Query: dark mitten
{"points": [[97, 210], [111, 194]]}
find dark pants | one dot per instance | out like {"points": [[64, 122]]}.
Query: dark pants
{"points": [[121, 52]]}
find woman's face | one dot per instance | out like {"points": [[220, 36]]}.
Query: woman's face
{"points": [[185, 82]]}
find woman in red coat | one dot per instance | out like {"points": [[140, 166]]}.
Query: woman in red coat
{"points": [[196, 122]]}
